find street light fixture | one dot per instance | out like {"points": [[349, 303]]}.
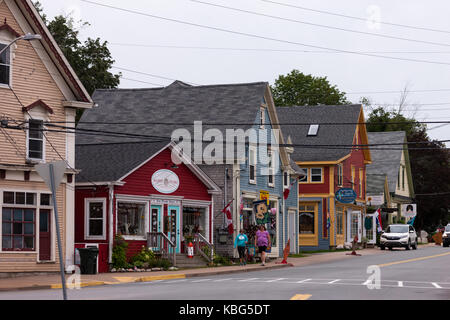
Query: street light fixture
{"points": [[27, 37]]}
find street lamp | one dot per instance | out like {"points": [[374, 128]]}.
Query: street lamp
{"points": [[27, 37]]}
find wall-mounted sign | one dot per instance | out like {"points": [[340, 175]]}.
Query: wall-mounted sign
{"points": [[346, 195], [409, 210], [165, 181], [264, 195]]}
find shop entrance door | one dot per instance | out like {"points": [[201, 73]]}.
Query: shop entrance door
{"points": [[172, 226], [292, 231], [44, 235]]}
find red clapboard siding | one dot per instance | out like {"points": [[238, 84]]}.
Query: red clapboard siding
{"points": [[139, 182], [80, 196], [134, 247]]}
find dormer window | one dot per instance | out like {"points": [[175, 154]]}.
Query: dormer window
{"points": [[5, 65], [313, 130]]}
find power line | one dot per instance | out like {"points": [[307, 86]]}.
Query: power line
{"points": [[320, 25], [148, 74], [357, 18], [260, 36]]}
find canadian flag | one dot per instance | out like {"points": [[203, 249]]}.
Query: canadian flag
{"points": [[229, 216], [288, 191], [378, 216]]}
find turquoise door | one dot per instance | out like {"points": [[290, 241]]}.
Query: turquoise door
{"points": [[172, 226]]}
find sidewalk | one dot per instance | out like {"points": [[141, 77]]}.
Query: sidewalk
{"points": [[54, 281]]}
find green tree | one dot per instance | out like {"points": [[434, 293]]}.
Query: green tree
{"points": [[91, 59], [298, 89]]}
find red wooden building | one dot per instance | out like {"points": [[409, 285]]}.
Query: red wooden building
{"points": [[134, 188]]}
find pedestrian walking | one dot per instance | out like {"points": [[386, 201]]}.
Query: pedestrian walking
{"points": [[240, 243], [262, 242]]}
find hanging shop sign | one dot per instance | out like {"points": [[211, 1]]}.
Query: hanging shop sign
{"points": [[346, 195], [165, 181], [264, 195]]}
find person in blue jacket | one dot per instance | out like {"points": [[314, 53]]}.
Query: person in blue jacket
{"points": [[240, 242]]}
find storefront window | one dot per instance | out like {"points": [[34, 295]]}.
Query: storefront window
{"points": [[194, 221], [272, 225], [131, 219], [307, 219], [18, 229]]}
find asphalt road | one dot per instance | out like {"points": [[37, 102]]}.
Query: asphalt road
{"points": [[421, 274]]}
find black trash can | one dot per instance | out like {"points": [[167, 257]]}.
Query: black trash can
{"points": [[88, 260]]}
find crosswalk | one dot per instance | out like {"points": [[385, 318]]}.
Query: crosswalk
{"points": [[405, 284]]}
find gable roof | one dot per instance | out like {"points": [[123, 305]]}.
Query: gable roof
{"points": [[122, 159], [330, 132], [37, 25], [386, 159], [170, 108], [375, 184]]}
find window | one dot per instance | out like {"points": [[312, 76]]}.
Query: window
{"points": [[95, 219], [252, 165], [5, 65], [131, 219], [354, 225], [353, 177], [307, 219], [403, 177], [18, 229], [313, 130], [271, 181], [305, 178], [316, 175], [340, 174], [35, 140], [286, 179], [361, 179], [19, 198], [46, 199], [262, 119], [339, 221]]}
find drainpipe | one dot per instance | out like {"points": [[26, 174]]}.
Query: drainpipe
{"points": [[225, 197], [111, 221]]}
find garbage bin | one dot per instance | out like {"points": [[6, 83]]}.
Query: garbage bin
{"points": [[88, 257]]}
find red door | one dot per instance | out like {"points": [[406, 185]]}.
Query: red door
{"points": [[44, 235]]}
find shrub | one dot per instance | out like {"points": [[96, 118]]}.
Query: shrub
{"points": [[119, 253], [218, 259], [145, 256]]}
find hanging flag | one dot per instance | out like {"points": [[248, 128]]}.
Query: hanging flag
{"points": [[378, 215], [229, 216], [288, 191]]}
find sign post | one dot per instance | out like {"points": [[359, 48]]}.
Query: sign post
{"points": [[52, 174]]}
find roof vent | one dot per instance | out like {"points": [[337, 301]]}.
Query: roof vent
{"points": [[313, 130]]}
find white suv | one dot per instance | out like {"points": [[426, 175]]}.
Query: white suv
{"points": [[399, 235], [446, 236]]}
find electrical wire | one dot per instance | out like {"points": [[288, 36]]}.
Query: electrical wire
{"points": [[321, 25], [261, 36]]}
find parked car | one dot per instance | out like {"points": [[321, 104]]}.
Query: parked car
{"points": [[399, 235], [446, 236]]}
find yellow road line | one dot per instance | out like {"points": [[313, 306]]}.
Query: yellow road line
{"points": [[413, 260], [81, 285], [301, 297]]}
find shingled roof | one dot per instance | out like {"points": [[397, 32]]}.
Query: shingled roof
{"points": [[173, 107], [331, 133], [386, 159]]}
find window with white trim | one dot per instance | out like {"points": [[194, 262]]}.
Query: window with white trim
{"points": [[271, 178], [286, 179], [35, 139], [131, 219], [252, 164], [5, 65], [95, 215]]}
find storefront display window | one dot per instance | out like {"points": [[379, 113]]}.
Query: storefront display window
{"points": [[307, 219], [194, 221], [131, 219], [339, 220]]}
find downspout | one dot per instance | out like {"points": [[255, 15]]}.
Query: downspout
{"points": [[111, 221]]}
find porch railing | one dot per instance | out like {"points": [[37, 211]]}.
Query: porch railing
{"points": [[160, 243], [201, 242]]}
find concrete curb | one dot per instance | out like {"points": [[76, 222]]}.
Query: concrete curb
{"points": [[146, 278]]}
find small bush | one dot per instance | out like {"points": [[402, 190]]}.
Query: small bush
{"points": [[119, 253]]}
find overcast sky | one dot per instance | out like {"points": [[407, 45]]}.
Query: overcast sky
{"points": [[200, 55]]}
